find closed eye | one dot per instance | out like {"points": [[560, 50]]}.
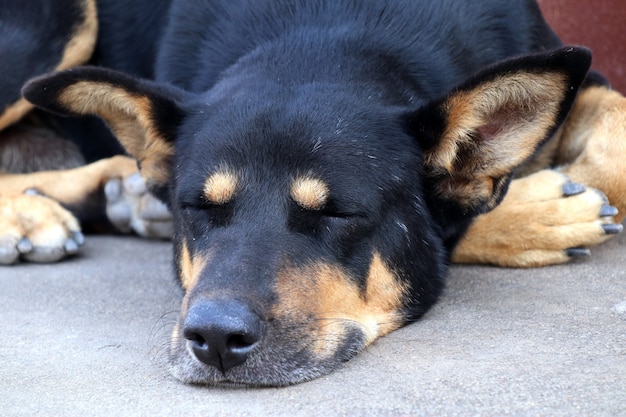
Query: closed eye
{"points": [[207, 213], [340, 215]]}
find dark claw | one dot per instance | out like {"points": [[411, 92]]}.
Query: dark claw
{"points": [[612, 229], [79, 238], [608, 211], [24, 245], [573, 188], [33, 191], [70, 247], [578, 252]]}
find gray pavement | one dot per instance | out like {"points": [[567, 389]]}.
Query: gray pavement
{"points": [[87, 337]]}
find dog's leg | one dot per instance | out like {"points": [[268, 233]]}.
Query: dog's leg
{"points": [[37, 228], [547, 217], [593, 144]]}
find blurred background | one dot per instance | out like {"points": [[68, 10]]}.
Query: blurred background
{"points": [[597, 24]]}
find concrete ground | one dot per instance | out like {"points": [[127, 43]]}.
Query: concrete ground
{"points": [[87, 337]]}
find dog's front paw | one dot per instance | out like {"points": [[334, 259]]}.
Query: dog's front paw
{"points": [[35, 228], [544, 219], [131, 208]]}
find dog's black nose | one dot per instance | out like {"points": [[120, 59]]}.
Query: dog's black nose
{"points": [[222, 333]]}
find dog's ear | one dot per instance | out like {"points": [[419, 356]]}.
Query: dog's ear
{"points": [[475, 137], [143, 116]]}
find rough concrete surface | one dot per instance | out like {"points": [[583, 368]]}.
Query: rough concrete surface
{"points": [[87, 337]]}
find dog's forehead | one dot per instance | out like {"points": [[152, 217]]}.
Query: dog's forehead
{"points": [[309, 151], [308, 190]]}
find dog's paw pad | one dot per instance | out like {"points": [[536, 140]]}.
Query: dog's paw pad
{"points": [[131, 208], [36, 229], [151, 208], [118, 209], [135, 185]]}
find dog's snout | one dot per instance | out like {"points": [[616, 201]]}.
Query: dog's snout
{"points": [[222, 333]]}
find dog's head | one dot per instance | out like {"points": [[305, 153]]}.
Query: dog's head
{"points": [[310, 222]]}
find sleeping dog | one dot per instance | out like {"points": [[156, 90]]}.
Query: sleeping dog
{"points": [[323, 161]]}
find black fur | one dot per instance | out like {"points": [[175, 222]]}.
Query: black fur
{"points": [[349, 92], [32, 40]]}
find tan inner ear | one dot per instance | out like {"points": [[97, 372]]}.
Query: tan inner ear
{"points": [[491, 130], [129, 117], [517, 109], [77, 51]]}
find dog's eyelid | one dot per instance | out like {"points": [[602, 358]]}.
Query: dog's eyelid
{"points": [[202, 203], [340, 215], [331, 210], [206, 202], [338, 211]]}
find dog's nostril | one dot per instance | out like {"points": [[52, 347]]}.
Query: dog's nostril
{"points": [[241, 342], [222, 333], [197, 341]]}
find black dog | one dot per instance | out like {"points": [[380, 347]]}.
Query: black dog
{"points": [[321, 158]]}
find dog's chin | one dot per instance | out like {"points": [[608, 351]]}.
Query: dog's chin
{"points": [[271, 365]]}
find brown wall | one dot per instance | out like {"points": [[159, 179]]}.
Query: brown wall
{"points": [[597, 24]]}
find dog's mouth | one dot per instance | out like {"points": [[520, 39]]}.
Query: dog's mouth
{"points": [[317, 317], [287, 354]]}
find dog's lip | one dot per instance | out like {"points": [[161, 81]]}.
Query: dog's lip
{"points": [[231, 385], [223, 381], [262, 369]]}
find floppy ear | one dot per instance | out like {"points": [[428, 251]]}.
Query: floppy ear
{"points": [[476, 136], [143, 116]]}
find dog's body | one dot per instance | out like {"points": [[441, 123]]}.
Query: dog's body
{"points": [[322, 160]]}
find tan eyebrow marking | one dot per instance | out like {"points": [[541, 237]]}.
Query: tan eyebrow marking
{"points": [[309, 193], [220, 187]]}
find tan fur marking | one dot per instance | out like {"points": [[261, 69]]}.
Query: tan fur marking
{"points": [[77, 51], [220, 187], [26, 215], [190, 268], [593, 146], [72, 185], [325, 297], [309, 193], [15, 112], [43, 221], [129, 117]]}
